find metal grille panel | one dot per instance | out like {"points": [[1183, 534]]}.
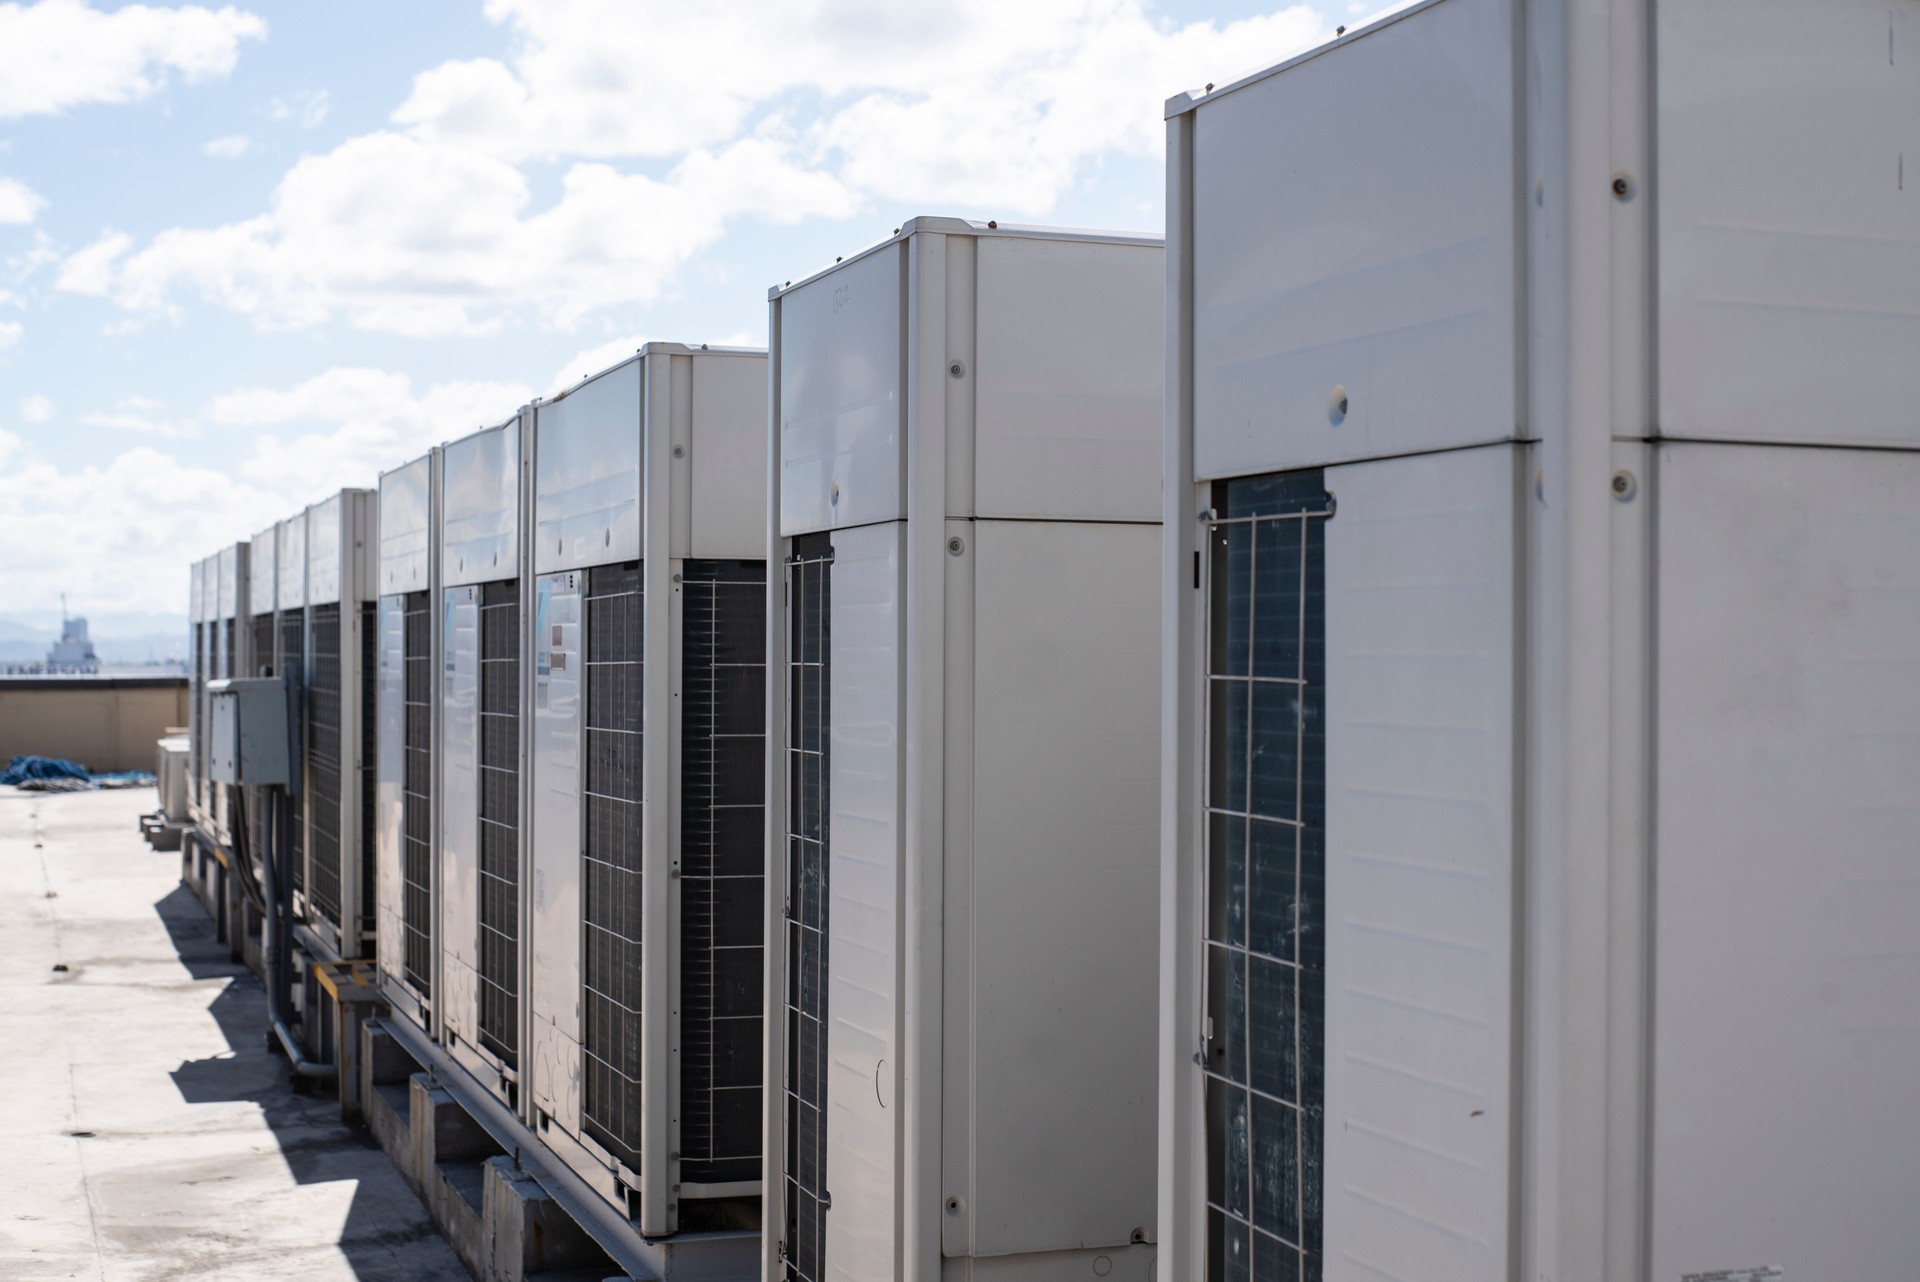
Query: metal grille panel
{"points": [[263, 638], [500, 819], [611, 976], [369, 761], [809, 714], [417, 815], [1266, 877], [200, 727], [722, 855], [293, 662], [324, 763]]}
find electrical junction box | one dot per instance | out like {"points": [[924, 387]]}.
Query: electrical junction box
{"points": [[247, 739]]}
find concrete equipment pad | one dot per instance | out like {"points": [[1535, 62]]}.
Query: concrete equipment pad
{"points": [[147, 1133]]}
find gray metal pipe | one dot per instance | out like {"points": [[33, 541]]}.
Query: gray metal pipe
{"points": [[274, 938]]}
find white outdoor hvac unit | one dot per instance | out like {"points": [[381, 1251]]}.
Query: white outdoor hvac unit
{"points": [[405, 710], [228, 648], [962, 739], [648, 789], [263, 630], [1543, 587], [337, 703], [478, 756], [198, 597], [290, 594]]}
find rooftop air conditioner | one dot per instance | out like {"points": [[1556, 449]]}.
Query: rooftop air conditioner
{"points": [[648, 521], [337, 698], [290, 592], [479, 755], [964, 635], [405, 713], [1543, 515]]}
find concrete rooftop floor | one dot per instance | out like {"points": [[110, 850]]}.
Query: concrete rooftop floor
{"points": [[145, 1131]]}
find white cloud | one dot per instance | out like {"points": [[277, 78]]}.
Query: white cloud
{"points": [[19, 203], [227, 148], [308, 108], [36, 409], [357, 423], [10, 332], [120, 531], [117, 534], [998, 102], [396, 235], [782, 113], [139, 414], [90, 270], [63, 53]]}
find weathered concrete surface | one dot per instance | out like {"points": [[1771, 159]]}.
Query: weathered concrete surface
{"points": [[146, 1133]]}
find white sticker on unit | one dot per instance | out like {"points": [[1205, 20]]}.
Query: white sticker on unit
{"points": [[1766, 1273]]}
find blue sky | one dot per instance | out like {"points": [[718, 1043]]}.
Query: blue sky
{"points": [[250, 254]]}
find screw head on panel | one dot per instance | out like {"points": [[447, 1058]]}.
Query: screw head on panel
{"points": [[956, 545], [1624, 485], [1337, 405], [679, 451], [957, 369]]}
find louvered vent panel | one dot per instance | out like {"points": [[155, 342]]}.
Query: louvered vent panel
{"points": [[293, 662], [369, 759], [263, 639], [500, 818], [809, 582], [722, 853], [611, 976], [417, 815], [201, 728], [324, 763], [1266, 877]]}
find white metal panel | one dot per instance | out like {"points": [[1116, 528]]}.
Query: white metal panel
{"points": [[458, 761], [1069, 374], [1060, 1030], [1420, 875], [361, 532], [196, 591], [325, 526], [1365, 251], [556, 839], [230, 586], [263, 564], [291, 576], [587, 486], [480, 506], [390, 778], [865, 843], [1787, 873], [729, 455], [841, 450], [1789, 220], [406, 531]]}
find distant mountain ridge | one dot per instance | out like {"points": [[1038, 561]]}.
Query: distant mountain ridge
{"points": [[118, 637]]}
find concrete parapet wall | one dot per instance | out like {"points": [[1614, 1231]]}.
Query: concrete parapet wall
{"points": [[104, 723]]}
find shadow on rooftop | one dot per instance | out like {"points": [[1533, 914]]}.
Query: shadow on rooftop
{"points": [[388, 1235]]}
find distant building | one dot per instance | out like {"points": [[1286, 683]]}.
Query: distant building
{"points": [[73, 652]]}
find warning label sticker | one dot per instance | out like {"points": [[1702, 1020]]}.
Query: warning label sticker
{"points": [[1766, 1273]]}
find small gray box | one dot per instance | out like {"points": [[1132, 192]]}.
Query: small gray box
{"points": [[248, 743]]}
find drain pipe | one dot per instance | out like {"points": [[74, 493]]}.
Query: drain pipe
{"points": [[276, 942]]}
